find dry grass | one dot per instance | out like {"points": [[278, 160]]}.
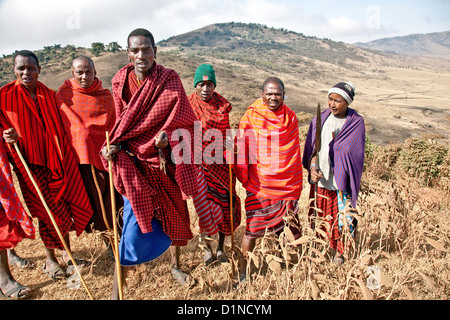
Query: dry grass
{"points": [[403, 231]]}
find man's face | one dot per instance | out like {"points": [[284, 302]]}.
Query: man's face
{"points": [[273, 96], [205, 90], [338, 105], [141, 54], [26, 71], [83, 72]]}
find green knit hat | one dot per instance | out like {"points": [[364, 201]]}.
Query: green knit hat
{"points": [[205, 72]]}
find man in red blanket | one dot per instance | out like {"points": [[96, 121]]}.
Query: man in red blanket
{"points": [[15, 225], [29, 117], [87, 112], [212, 201], [153, 169], [268, 163]]}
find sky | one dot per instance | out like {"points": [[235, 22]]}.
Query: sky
{"points": [[33, 24]]}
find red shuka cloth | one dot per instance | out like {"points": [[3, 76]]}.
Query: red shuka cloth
{"points": [[15, 224], [213, 203], [160, 103], [44, 144], [86, 114], [269, 160]]}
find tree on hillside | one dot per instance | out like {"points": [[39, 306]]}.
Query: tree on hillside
{"points": [[113, 47], [97, 48]]}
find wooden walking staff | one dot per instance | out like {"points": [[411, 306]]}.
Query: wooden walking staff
{"points": [[50, 214], [100, 198], [318, 143], [231, 204], [116, 234]]}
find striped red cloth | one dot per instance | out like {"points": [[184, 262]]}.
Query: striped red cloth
{"points": [[209, 212], [267, 214], [212, 201], [86, 114], [212, 204], [327, 203], [15, 224], [269, 158], [160, 103], [44, 144]]}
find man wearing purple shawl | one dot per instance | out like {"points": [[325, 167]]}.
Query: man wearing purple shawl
{"points": [[340, 164]]}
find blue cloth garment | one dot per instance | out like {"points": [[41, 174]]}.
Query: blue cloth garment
{"points": [[136, 247], [341, 207]]}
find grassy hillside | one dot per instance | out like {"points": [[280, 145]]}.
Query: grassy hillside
{"points": [[398, 97]]}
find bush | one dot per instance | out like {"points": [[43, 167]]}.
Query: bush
{"points": [[425, 160]]}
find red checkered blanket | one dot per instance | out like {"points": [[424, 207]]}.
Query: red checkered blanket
{"points": [[160, 103]]}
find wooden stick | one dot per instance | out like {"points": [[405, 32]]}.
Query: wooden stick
{"points": [[50, 214], [318, 143], [231, 208], [116, 234], [100, 197]]}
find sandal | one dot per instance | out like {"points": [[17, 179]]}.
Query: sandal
{"points": [[81, 264], [208, 256], [182, 278], [14, 293], [339, 259], [241, 283], [221, 257], [55, 273], [19, 262]]}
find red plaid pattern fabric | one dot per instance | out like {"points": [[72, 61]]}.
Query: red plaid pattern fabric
{"points": [[60, 209], [44, 144], [86, 115], [160, 103], [15, 224], [169, 206], [328, 203]]}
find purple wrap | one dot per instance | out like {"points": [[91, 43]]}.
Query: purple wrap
{"points": [[346, 152]]}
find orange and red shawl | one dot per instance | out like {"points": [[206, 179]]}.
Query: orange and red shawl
{"points": [[43, 142], [266, 168], [160, 103], [15, 224], [86, 114]]}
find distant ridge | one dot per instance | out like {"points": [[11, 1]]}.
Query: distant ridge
{"points": [[398, 95], [435, 44]]}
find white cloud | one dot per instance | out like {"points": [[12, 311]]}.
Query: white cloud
{"points": [[29, 24]]}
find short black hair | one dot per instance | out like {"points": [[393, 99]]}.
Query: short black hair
{"points": [[85, 58], [141, 32], [25, 53], [272, 80]]}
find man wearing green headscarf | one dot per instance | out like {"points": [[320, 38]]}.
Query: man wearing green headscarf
{"points": [[213, 195]]}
